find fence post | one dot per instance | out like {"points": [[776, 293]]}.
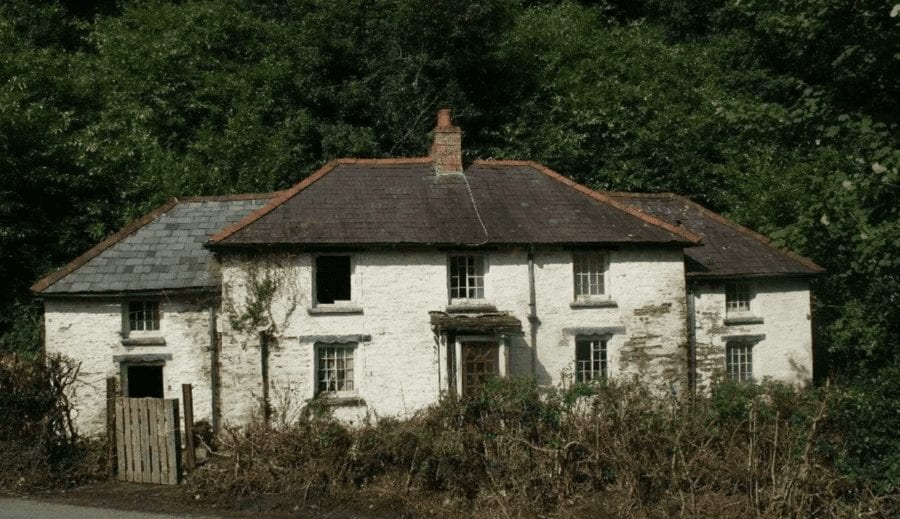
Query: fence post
{"points": [[188, 399], [111, 425]]}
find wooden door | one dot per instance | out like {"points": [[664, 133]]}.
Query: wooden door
{"points": [[480, 361]]}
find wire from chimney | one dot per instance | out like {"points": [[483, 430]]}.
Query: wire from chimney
{"points": [[477, 213]]}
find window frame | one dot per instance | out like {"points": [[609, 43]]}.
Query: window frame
{"points": [[604, 295], [314, 296], [127, 321], [483, 258], [353, 348], [739, 306], [603, 358], [742, 350]]}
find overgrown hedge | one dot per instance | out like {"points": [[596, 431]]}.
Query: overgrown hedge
{"points": [[40, 445], [517, 449]]}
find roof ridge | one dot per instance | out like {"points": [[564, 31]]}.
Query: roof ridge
{"points": [[384, 161], [597, 196], [130, 228], [750, 233]]}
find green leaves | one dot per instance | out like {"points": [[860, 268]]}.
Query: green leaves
{"points": [[780, 114]]}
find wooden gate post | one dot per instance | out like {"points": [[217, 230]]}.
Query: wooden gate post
{"points": [[188, 399], [111, 425]]}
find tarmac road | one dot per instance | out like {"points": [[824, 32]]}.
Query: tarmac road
{"points": [[13, 508]]}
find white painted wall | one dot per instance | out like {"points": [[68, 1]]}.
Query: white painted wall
{"points": [[785, 354], [398, 369], [90, 332]]}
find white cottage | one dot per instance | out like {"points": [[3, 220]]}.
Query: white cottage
{"points": [[379, 285]]}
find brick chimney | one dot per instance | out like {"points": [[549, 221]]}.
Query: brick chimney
{"points": [[446, 150]]}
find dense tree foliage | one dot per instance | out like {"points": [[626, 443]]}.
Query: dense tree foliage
{"points": [[780, 113]]}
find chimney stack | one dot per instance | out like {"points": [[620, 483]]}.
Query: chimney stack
{"points": [[446, 150]]}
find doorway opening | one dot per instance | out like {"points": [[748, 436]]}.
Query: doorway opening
{"points": [[144, 381]]}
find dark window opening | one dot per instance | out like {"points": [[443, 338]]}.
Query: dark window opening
{"points": [[332, 279], [145, 381]]}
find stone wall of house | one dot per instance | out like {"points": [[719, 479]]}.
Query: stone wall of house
{"points": [[396, 360], [646, 327], [90, 332], [784, 348]]}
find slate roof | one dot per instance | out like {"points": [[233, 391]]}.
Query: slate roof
{"points": [[163, 250], [727, 249], [402, 201]]}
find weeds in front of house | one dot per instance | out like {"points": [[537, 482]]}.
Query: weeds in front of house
{"points": [[40, 445], [516, 449]]}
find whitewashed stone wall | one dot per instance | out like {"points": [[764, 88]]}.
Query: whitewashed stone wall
{"points": [[397, 358], [90, 332], [397, 366], [648, 288], [785, 354]]}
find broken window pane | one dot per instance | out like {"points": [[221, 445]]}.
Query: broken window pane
{"points": [[332, 279], [590, 359]]}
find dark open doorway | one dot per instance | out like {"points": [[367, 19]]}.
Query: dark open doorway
{"points": [[145, 381]]}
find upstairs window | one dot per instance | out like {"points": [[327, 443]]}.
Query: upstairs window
{"points": [[590, 275], [334, 369], [739, 360], [333, 279], [143, 316], [590, 359], [737, 298], [466, 277]]}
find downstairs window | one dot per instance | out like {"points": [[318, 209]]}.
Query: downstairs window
{"points": [[590, 359], [739, 360], [335, 368]]}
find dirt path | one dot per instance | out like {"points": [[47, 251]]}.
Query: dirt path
{"points": [[18, 508], [112, 500]]}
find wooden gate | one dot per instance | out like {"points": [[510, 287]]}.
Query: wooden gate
{"points": [[148, 443]]}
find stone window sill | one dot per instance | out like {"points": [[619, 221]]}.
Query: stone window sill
{"points": [[745, 319], [470, 307], [599, 303], [341, 401], [334, 309], [144, 341]]}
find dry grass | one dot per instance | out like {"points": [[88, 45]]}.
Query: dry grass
{"points": [[518, 450]]}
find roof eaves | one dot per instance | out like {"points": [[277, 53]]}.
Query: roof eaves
{"points": [[599, 197], [806, 262], [287, 194], [129, 229]]}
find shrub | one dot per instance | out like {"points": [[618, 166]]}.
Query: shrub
{"points": [[520, 449], [37, 426]]}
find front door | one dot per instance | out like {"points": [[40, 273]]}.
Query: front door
{"points": [[480, 361]]}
